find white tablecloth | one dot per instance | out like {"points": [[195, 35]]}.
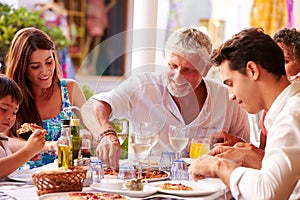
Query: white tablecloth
{"points": [[28, 191]]}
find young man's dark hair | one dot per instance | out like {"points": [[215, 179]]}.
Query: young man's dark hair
{"points": [[251, 45]]}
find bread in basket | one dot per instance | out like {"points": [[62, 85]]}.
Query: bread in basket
{"points": [[59, 180]]}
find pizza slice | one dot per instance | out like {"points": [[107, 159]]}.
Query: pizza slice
{"points": [[110, 171], [27, 129], [153, 173], [175, 186], [94, 196]]}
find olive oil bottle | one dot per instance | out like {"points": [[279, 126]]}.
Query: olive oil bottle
{"points": [[64, 143]]}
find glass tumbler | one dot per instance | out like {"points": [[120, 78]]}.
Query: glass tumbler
{"points": [[97, 171], [179, 170], [199, 147], [85, 149], [126, 172], [166, 161]]}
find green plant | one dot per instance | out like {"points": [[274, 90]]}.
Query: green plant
{"points": [[87, 91], [12, 20]]}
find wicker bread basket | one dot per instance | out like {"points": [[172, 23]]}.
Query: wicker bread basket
{"points": [[59, 180]]}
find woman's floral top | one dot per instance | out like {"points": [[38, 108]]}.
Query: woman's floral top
{"points": [[53, 127]]}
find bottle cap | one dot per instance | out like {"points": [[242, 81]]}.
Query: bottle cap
{"points": [[65, 122], [75, 122]]}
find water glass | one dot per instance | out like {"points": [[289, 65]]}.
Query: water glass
{"points": [[97, 171], [179, 170], [126, 172], [166, 161]]}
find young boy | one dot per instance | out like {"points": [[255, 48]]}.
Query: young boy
{"points": [[10, 99]]}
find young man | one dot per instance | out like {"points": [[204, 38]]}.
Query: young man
{"points": [[181, 96], [252, 66]]}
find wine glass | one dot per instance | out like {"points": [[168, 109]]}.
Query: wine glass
{"points": [[121, 128], [140, 147], [178, 138], [152, 129]]}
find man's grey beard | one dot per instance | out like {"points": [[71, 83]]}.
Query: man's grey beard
{"points": [[179, 93]]}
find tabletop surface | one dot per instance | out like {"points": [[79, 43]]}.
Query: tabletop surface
{"points": [[27, 191]]}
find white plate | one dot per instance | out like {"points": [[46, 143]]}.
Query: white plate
{"points": [[25, 175], [59, 196], [200, 188], [158, 179], [147, 191], [22, 175]]}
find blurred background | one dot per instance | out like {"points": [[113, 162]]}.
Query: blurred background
{"points": [[110, 39]]}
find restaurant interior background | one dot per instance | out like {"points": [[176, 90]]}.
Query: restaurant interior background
{"points": [[112, 39]]}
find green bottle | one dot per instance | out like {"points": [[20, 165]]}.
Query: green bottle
{"points": [[75, 137]]}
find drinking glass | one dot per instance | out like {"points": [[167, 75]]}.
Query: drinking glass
{"points": [[97, 171], [179, 170], [199, 147], [140, 147], [166, 160], [121, 128], [178, 138], [126, 173], [85, 148], [152, 129]]}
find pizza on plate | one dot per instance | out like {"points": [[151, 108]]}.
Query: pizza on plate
{"points": [[110, 171], [146, 174], [94, 196], [175, 186], [153, 173]]}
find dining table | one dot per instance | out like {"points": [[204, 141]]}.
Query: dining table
{"points": [[21, 187]]}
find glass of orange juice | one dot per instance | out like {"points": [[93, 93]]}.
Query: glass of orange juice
{"points": [[199, 147]]}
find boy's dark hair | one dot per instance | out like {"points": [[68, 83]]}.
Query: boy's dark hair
{"points": [[251, 44], [9, 87]]}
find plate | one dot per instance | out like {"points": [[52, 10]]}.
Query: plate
{"points": [[147, 191], [22, 175], [158, 179], [60, 196], [25, 175], [200, 188]]}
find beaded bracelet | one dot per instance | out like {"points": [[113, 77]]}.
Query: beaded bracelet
{"points": [[105, 133]]}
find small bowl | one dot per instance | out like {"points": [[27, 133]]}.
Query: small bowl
{"points": [[114, 184]]}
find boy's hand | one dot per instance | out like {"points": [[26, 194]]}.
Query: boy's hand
{"points": [[36, 141]]}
